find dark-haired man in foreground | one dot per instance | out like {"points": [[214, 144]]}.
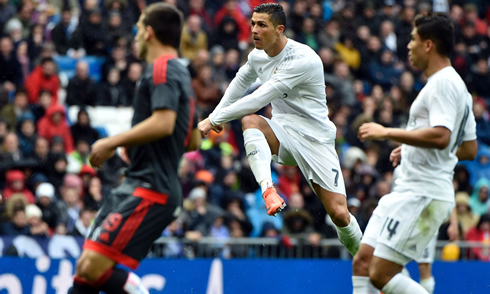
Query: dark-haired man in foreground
{"points": [[136, 212], [441, 129], [300, 132]]}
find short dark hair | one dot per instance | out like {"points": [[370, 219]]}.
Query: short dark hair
{"points": [[438, 28], [47, 59], [166, 21], [275, 11]]}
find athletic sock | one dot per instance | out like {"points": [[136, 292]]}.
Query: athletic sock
{"points": [[401, 284], [118, 281], [428, 284], [82, 287], [362, 285], [259, 157], [350, 235]]}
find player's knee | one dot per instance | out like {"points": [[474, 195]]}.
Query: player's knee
{"points": [[86, 269], [251, 121], [360, 264], [340, 217]]}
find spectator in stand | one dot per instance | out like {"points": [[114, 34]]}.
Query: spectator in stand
{"points": [[7, 11], [16, 184], [26, 133], [18, 225], [92, 35], [201, 216], [46, 201], [297, 16], [403, 30], [348, 52], [13, 111], [57, 171], [466, 218], [307, 35], [62, 32], [11, 152], [343, 83], [81, 130], [111, 93], [24, 59], [480, 233], [41, 155], [231, 9], [82, 224], [478, 80], [206, 90], [384, 72], [54, 124], [471, 15], [82, 90], [93, 197], [116, 28], [226, 35], [330, 35], [78, 157], [479, 201], [11, 75], [129, 82], [388, 36], [482, 121], [71, 202], [34, 216], [193, 38], [43, 77], [118, 60], [196, 7], [480, 167], [35, 41]]}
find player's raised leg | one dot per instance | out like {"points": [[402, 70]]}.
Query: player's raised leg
{"points": [[260, 143], [348, 229], [426, 279]]}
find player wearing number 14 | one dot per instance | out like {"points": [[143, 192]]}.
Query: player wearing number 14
{"points": [[441, 130]]}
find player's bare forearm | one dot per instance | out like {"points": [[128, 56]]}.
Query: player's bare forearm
{"points": [[195, 140], [468, 150], [159, 125], [436, 137], [453, 229]]}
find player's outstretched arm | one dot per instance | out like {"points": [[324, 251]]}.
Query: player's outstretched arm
{"points": [[436, 137], [238, 86], [159, 125], [468, 150]]}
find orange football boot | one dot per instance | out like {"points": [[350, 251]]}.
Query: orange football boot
{"points": [[274, 203]]}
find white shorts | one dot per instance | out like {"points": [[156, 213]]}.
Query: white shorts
{"points": [[317, 161], [430, 251], [402, 225]]}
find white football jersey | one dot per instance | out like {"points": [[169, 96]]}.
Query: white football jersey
{"points": [[294, 84], [444, 101]]}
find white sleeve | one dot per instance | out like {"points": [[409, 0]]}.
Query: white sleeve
{"points": [[290, 73], [442, 106], [248, 104], [239, 85], [470, 128]]}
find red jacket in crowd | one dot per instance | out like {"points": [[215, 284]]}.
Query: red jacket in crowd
{"points": [[11, 189], [241, 21], [37, 81], [48, 128]]}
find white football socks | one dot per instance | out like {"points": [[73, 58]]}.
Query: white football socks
{"points": [[350, 235], [259, 157], [362, 285], [428, 284], [401, 284]]}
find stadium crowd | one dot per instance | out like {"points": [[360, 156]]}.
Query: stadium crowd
{"points": [[50, 188]]}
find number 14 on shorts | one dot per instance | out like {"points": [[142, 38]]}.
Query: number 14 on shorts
{"points": [[391, 225]]}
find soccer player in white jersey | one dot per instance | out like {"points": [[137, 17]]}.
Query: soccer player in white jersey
{"points": [[441, 130], [300, 132]]}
